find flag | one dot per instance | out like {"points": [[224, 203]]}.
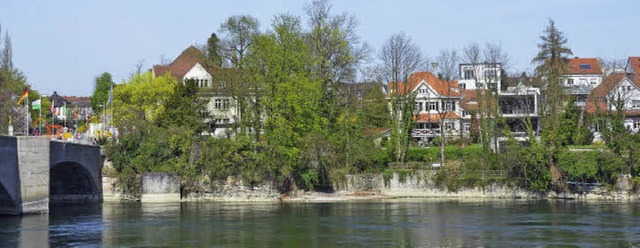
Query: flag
{"points": [[25, 94], [75, 113], [37, 104], [52, 109]]}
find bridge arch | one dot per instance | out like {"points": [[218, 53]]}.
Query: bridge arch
{"points": [[71, 181]]}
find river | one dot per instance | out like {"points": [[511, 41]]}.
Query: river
{"points": [[395, 223]]}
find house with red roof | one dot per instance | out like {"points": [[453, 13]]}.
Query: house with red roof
{"points": [[618, 90], [580, 77], [191, 64], [437, 103]]}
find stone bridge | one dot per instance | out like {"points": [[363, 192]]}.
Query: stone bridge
{"points": [[35, 171]]}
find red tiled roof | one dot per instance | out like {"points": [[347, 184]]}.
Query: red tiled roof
{"points": [[182, 64], [583, 66], [435, 117], [442, 87], [608, 83], [470, 99], [597, 102]]}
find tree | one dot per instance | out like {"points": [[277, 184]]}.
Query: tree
{"points": [[138, 102], [472, 54], [238, 33], [448, 61], [7, 53], [213, 50], [290, 98], [101, 90], [551, 64], [336, 50], [400, 57]]}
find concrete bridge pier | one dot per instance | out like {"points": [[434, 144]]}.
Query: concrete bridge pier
{"points": [[35, 171]]}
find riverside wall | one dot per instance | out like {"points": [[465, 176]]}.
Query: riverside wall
{"points": [[417, 184]]}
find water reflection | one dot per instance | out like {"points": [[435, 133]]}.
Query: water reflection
{"points": [[406, 223]]}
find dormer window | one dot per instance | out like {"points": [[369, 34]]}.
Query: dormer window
{"points": [[222, 85]]}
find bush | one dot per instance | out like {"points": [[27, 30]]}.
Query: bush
{"points": [[579, 166]]}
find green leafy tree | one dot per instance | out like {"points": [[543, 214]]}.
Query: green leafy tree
{"points": [[141, 100], [101, 91], [290, 95]]}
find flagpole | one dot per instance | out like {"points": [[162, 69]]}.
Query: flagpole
{"points": [[53, 117], [64, 113], [26, 106], [40, 117]]}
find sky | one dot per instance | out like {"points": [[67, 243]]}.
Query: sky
{"points": [[64, 45]]}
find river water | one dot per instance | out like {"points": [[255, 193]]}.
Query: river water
{"points": [[388, 223]]}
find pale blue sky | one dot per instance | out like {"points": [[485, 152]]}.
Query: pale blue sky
{"points": [[64, 45]]}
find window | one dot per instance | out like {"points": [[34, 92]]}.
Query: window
{"points": [[448, 125], [490, 73], [225, 104], [419, 106], [203, 113], [217, 103], [449, 106], [467, 127], [465, 113], [635, 104], [463, 86], [468, 73], [570, 81], [636, 123], [592, 82], [433, 106], [203, 83], [222, 85]]}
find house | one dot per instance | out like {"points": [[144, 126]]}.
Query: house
{"points": [[582, 75], [79, 107], [480, 76], [437, 103], [221, 111], [618, 92]]}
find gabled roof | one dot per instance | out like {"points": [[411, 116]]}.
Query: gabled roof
{"points": [[583, 66], [597, 100], [442, 87], [182, 64], [608, 84]]}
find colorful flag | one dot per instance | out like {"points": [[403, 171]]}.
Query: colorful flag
{"points": [[25, 94], [37, 104], [52, 109]]}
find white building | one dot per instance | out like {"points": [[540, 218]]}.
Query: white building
{"points": [[581, 77], [437, 102], [618, 88], [480, 76], [191, 64]]}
